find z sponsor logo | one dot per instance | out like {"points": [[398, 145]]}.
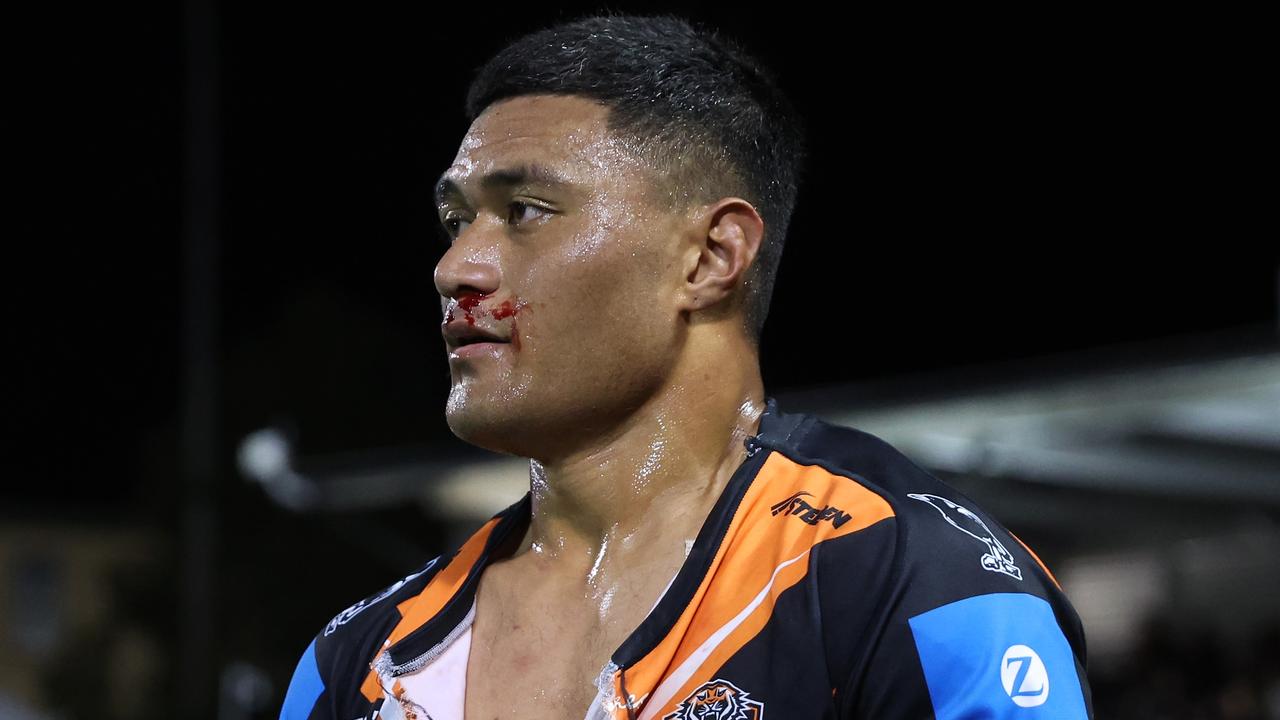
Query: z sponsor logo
{"points": [[1024, 677], [809, 513], [997, 558], [717, 700]]}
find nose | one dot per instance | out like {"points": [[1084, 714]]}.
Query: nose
{"points": [[469, 265]]}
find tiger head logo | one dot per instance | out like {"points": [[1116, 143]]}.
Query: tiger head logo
{"points": [[718, 700]]}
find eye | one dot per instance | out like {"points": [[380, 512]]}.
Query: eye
{"points": [[518, 211], [453, 225]]}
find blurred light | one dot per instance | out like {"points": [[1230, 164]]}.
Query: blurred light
{"points": [[264, 454], [266, 457]]}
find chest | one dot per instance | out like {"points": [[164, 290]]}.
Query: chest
{"points": [[539, 658]]}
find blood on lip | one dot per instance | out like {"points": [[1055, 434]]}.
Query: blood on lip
{"points": [[470, 305], [471, 301]]}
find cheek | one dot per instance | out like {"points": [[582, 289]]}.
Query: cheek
{"points": [[623, 290], [572, 312]]}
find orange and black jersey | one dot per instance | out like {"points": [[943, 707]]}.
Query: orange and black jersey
{"points": [[833, 578]]}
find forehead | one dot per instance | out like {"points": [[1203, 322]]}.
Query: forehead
{"points": [[562, 133]]}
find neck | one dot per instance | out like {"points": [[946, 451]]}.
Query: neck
{"points": [[669, 460]]}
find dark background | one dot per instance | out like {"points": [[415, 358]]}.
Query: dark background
{"points": [[981, 189]]}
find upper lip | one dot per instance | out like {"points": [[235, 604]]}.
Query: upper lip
{"points": [[459, 333]]}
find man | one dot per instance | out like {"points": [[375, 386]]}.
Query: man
{"points": [[687, 549]]}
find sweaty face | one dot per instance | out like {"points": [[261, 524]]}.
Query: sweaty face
{"points": [[558, 251]]}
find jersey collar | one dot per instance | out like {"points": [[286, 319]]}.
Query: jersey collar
{"points": [[499, 537]]}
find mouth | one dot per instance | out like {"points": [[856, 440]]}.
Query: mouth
{"points": [[478, 348], [462, 334]]}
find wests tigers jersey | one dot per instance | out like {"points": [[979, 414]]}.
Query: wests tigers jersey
{"points": [[833, 578]]}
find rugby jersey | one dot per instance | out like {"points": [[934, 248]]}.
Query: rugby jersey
{"points": [[833, 578]]}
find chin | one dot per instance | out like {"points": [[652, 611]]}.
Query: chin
{"points": [[487, 423]]}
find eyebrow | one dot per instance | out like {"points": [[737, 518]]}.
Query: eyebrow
{"points": [[531, 173]]}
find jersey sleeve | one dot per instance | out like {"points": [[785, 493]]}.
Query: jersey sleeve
{"points": [[972, 626], [328, 681], [303, 699]]}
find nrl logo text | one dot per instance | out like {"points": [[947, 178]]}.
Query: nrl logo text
{"points": [[345, 616]]}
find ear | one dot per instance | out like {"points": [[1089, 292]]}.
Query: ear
{"points": [[726, 239]]}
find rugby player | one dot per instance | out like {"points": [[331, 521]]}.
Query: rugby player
{"points": [[687, 548]]}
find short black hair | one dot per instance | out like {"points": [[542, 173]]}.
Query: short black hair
{"points": [[711, 115]]}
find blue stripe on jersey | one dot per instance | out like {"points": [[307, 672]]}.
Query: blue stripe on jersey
{"points": [[998, 656], [305, 687]]}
